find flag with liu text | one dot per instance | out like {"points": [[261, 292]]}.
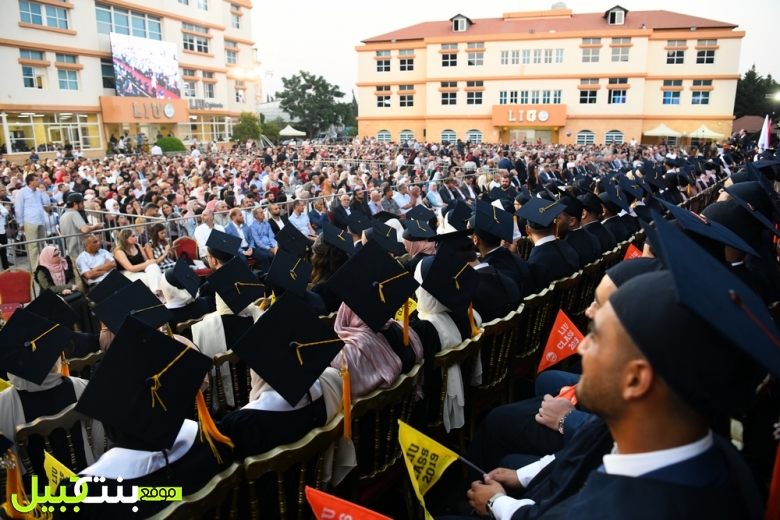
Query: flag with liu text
{"points": [[327, 506], [632, 252], [563, 342]]}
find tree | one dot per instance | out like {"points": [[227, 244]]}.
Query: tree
{"points": [[311, 100], [171, 144], [752, 90], [271, 130], [248, 127]]}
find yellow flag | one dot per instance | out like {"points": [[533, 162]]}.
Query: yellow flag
{"points": [[55, 470], [399, 316], [425, 459], [4, 384]]}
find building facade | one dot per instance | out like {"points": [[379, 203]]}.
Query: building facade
{"points": [[552, 76], [58, 84]]}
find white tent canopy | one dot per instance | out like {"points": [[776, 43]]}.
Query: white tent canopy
{"points": [[705, 133], [289, 131], [662, 131]]}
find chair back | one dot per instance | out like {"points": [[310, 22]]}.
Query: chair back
{"points": [[330, 319], [639, 239], [444, 360], [589, 280], [186, 248], [83, 367], [241, 381], [211, 496], [565, 292], [184, 326], [16, 289], [524, 246], [609, 259], [497, 342]]}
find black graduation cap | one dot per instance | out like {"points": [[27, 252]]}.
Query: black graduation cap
{"points": [[492, 222], [50, 306], [112, 283], [373, 285], [757, 195], [134, 300], [296, 348], [292, 240], [540, 213], [30, 345], [498, 194], [646, 186], [146, 384], [183, 277], [632, 187], [572, 206], [458, 214], [237, 285], [592, 203], [357, 222], [449, 279], [417, 230], [338, 238], [222, 246], [290, 273], [616, 196], [737, 219], [420, 212], [384, 216], [753, 211], [457, 240], [387, 237], [524, 196], [651, 174]]}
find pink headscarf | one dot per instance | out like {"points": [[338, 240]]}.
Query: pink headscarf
{"points": [[420, 246], [57, 269], [369, 357]]}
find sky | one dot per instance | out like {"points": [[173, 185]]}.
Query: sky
{"points": [[320, 36]]}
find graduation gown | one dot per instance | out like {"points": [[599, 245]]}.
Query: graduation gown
{"points": [[394, 334], [605, 237], [513, 266], [552, 261], [411, 264], [618, 228], [191, 311], [586, 245], [631, 222], [496, 294], [329, 298]]}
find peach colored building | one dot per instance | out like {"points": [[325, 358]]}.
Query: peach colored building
{"points": [[552, 75]]}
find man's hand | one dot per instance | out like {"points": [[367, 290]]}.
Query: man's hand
{"points": [[552, 410], [506, 477], [248, 252], [274, 249], [480, 493]]}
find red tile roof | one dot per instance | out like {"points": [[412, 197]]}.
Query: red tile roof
{"points": [[749, 123], [576, 22]]}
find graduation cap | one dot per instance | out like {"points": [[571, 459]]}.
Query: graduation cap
{"points": [[417, 230], [700, 302], [373, 285], [492, 223], [757, 196], [387, 237], [338, 238], [498, 194], [651, 174], [112, 283], [30, 345], [134, 300], [737, 219], [222, 246], [384, 216], [457, 240], [420, 212], [591, 203], [615, 196], [296, 348], [752, 210], [357, 222], [237, 285], [631, 187], [449, 279], [711, 229], [458, 215], [524, 196], [146, 384], [182, 277], [540, 213], [642, 183], [290, 273], [292, 240], [50, 306], [572, 206]]}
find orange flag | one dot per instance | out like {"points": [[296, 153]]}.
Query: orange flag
{"points": [[568, 392], [562, 343], [327, 506], [633, 252]]}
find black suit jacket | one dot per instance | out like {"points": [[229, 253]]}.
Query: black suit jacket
{"points": [[513, 266], [275, 226], [464, 189], [586, 245], [618, 229], [361, 207], [340, 215], [604, 236], [552, 261], [448, 196]]}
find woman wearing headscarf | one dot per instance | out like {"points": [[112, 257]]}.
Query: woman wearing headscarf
{"points": [[417, 249], [180, 302], [55, 272], [433, 196]]}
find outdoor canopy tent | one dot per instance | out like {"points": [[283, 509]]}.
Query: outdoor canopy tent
{"points": [[663, 131], [289, 131], [705, 133]]}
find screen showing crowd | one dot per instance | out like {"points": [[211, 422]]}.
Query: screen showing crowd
{"points": [[145, 68]]}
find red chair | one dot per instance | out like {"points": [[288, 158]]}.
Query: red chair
{"points": [[187, 249], [16, 289]]}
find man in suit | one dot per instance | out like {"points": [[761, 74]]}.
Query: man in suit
{"points": [[360, 202], [505, 163], [276, 220], [318, 216], [450, 192], [592, 209], [237, 228], [342, 211], [586, 245], [470, 190]]}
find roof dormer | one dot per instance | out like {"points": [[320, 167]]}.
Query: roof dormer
{"points": [[460, 23], [616, 15]]}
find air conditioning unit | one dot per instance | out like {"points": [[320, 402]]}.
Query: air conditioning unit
{"points": [[531, 31]]}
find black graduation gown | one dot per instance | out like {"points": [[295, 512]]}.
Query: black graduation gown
{"points": [[552, 261], [513, 266], [411, 264], [604, 236], [84, 344], [744, 274], [765, 270], [618, 228], [329, 298], [394, 334], [496, 294], [631, 222], [191, 473], [586, 245], [643, 212], [207, 291], [191, 311]]}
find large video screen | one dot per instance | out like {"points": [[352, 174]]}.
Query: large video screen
{"points": [[145, 68]]}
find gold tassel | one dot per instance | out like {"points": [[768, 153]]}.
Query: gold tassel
{"points": [[346, 397], [556, 229], [406, 323], [474, 329], [65, 368], [209, 429], [15, 486], [168, 330]]}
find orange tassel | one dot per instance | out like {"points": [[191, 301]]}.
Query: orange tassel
{"points": [[208, 428], [346, 397], [689, 190], [65, 368], [406, 323], [773, 503], [556, 229], [14, 486], [474, 329]]}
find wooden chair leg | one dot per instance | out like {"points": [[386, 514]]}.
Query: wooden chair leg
{"points": [[254, 505]]}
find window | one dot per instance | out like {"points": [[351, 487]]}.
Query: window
{"points": [[203, 4], [557, 95], [502, 99], [383, 66], [672, 83], [476, 59], [616, 17], [407, 65], [526, 57], [383, 136], [382, 53], [475, 83], [30, 55], [619, 54], [448, 46], [407, 101], [534, 97], [107, 71], [448, 136], [548, 53], [113, 19], [238, 83], [591, 41], [473, 98], [588, 97], [189, 89], [558, 55], [676, 43], [586, 137], [383, 88], [406, 52], [590, 55], [504, 57], [706, 43], [515, 57], [208, 90], [239, 95], [589, 81], [537, 55], [406, 87], [620, 40], [68, 79], [671, 141], [383, 101], [675, 57], [459, 25], [700, 98], [196, 43], [449, 98], [671, 98], [65, 58], [474, 136], [210, 75], [449, 84], [705, 57], [545, 97], [476, 45], [34, 14], [235, 21], [617, 97], [195, 28], [406, 135], [187, 72], [449, 60], [614, 136], [513, 97], [231, 57], [702, 83], [34, 77], [185, 2], [232, 45], [618, 81], [523, 97]]}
